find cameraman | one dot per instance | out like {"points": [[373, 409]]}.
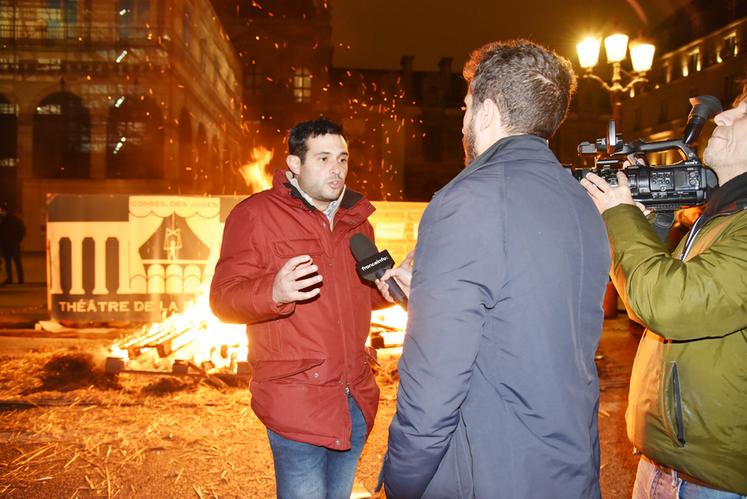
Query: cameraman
{"points": [[687, 407]]}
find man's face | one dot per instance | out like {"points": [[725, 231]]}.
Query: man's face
{"points": [[727, 147], [322, 173], [468, 131]]}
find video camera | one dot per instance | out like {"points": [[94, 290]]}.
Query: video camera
{"points": [[665, 188]]}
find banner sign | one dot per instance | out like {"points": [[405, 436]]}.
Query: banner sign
{"points": [[140, 258]]}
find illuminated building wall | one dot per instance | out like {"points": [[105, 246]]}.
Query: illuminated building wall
{"points": [[127, 96], [701, 52]]}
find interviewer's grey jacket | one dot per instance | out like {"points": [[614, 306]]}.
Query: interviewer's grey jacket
{"points": [[498, 392]]}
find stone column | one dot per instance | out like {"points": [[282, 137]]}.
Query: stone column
{"points": [[99, 245]]}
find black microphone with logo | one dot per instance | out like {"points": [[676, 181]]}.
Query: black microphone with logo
{"points": [[372, 263]]}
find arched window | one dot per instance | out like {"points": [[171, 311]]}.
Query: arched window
{"points": [[8, 161], [62, 137], [186, 153], [8, 133], [302, 85], [134, 139]]}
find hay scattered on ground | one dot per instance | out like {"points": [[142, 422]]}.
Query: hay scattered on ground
{"points": [[159, 437], [72, 371], [169, 385]]}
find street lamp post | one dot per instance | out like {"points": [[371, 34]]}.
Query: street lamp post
{"points": [[616, 47], [641, 56]]}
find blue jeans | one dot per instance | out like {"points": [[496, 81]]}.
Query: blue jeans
{"points": [[653, 483], [306, 471]]}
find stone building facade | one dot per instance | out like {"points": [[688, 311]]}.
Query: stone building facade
{"points": [[702, 51], [124, 96]]}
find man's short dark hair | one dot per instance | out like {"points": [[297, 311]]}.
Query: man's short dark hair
{"points": [[531, 85], [305, 130]]}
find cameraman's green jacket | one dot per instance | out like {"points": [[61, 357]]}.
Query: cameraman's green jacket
{"points": [[687, 407]]}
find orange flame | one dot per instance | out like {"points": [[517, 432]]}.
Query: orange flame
{"points": [[197, 336], [255, 172], [194, 335], [389, 324]]}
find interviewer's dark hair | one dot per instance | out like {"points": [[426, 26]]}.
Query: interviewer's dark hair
{"points": [[305, 130], [531, 85]]}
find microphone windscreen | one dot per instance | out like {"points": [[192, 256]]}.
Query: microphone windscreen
{"points": [[704, 106], [362, 247]]}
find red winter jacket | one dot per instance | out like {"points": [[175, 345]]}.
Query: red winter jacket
{"points": [[304, 354]]}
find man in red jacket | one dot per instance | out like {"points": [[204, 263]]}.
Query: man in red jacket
{"points": [[286, 271]]}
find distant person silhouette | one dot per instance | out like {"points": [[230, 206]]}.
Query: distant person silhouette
{"points": [[12, 232]]}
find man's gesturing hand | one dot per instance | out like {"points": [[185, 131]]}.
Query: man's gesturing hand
{"points": [[288, 281], [606, 196]]}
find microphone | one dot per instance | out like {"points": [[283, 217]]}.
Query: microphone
{"points": [[704, 106], [372, 263]]}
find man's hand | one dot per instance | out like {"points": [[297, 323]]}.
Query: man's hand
{"points": [[403, 276], [288, 281], [606, 196]]}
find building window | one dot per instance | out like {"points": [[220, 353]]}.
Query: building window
{"points": [[302, 85], [8, 141], [667, 70], [134, 139], [252, 79], [133, 17], [731, 46], [62, 137], [7, 18], [48, 64], [9, 63], [201, 160], [186, 150], [62, 15], [692, 63], [43, 19]]}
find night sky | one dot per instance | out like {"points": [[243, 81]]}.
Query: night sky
{"points": [[379, 32]]}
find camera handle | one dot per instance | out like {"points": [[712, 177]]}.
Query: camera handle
{"points": [[641, 147]]}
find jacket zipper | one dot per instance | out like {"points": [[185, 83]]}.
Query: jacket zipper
{"points": [[678, 406], [697, 226], [330, 244]]}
